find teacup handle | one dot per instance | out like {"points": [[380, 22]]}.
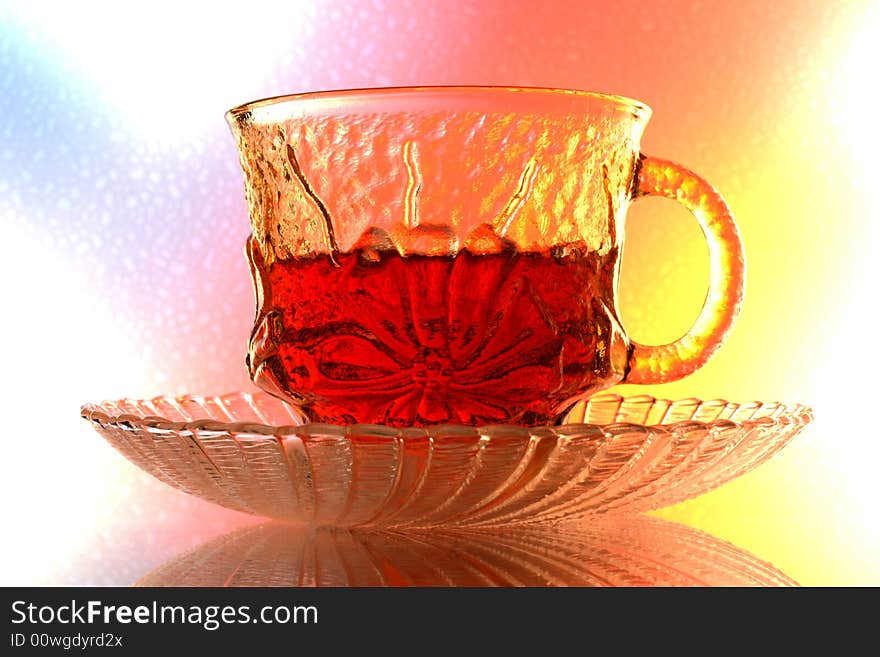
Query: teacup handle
{"points": [[669, 362]]}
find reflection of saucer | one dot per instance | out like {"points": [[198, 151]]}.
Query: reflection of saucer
{"points": [[253, 452], [625, 551]]}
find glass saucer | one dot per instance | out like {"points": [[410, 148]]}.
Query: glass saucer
{"points": [[254, 453], [611, 551]]}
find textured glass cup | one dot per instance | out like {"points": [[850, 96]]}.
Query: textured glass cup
{"points": [[432, 255]]}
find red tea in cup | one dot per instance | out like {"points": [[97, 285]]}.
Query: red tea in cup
{"points": [[419, 340]]}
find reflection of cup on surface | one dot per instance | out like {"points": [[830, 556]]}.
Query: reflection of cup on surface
{"points": [[434, 255], [625, 551]]}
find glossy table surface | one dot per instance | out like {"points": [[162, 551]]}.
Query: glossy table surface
{"points": [[198, 545], [120, 526]]}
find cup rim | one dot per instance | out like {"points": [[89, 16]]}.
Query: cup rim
{"points": [[638, 108]]}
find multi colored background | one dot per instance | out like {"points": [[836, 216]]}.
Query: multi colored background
{"points": [[122, 225]]}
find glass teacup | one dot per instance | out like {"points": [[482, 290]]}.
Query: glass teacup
{"points": [[445, 255]]}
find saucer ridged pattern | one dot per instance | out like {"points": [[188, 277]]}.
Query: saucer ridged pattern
{"points": [[254, 453]]}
